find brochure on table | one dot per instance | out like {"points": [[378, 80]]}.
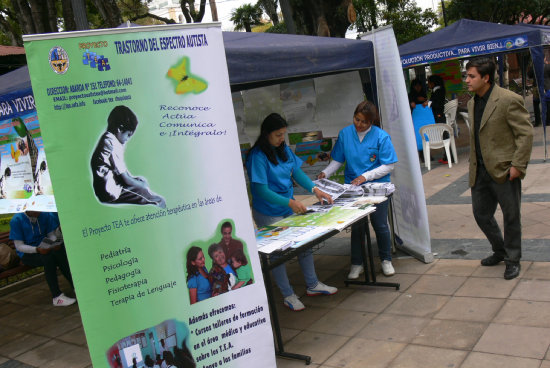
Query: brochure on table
{"points": [[297, 230], [140, 205]]}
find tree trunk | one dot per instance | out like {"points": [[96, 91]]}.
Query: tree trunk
{"points": [[109, 11], [24, 17], [39, 13], [52, 15], [68, 15], [214, 10]]}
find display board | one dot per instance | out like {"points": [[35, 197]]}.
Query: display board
{"points": [[143, 148]]}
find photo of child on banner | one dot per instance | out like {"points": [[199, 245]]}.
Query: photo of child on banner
{"points": [[112, 182], [229, 265]]}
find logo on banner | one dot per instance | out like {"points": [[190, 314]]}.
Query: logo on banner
{"points": [[59, 60], [186, 82], [519, 41], [95, 61]]}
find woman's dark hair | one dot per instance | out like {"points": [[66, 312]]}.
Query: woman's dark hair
{"points": [[270, 124], [239, 256], [369, 110], [192, 254], [416, 82], [485, 66], [437, 81]]}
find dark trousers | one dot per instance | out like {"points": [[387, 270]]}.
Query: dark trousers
{"points": [[50, 261], [379, 221], [486, 194]]}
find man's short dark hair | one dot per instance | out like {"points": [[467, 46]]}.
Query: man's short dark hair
{"points": [[121, 117], [226, 225], [485, 66]]}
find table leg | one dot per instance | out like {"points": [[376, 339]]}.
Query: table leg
{"points": [[279, 346]]}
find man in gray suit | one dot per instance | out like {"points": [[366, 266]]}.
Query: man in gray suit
{"points": [[500, 148]]}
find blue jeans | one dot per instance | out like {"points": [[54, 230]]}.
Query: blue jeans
{"points": [[305, 259], [379, 221]]}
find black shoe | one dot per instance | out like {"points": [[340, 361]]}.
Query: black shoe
{"points": [[492, 260], [512, 271]]}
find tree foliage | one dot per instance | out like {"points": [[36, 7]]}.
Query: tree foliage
{"points": [[246, 16], [407, 19], [500, 11]]}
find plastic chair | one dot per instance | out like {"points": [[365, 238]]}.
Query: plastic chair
{"points": [[466, 119], [432, 138], [449, 109]]}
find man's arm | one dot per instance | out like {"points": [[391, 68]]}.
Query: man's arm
{"points": [[518, 120]]}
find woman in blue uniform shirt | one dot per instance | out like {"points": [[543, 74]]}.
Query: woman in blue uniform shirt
{"points": [[368, 153], [271, 167]]}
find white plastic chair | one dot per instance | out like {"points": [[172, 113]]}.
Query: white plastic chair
{"points": [[466, 119], [432, 138], [449, 109]]}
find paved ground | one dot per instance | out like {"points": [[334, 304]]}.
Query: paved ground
{"points": [[450, 313]]}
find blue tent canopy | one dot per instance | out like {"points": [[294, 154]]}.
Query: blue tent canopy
{"points": [[260, 59], [468, 38]]}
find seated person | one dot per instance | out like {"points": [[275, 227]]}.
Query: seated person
{"points": [[229, 244], [221, 271], [241, 266], [417, 95], [113, 183], [34, 236]]}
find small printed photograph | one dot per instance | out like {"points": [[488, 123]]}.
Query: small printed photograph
{"points": [[112, 182], [218, 265], [163, 345]]}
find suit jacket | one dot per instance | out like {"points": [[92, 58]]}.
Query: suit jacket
{"points": [[505, 135]]}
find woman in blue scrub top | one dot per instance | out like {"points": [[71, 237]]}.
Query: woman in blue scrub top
{"points": [[271, 167], [368, 153], [197, 276]]}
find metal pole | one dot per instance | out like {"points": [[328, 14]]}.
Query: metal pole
{"points": [[80, 17]]}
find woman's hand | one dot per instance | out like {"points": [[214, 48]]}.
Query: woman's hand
{"points": [[358, 180], [322, 196], [297, 207], [425, 103], [413, 105], [321, 175]]}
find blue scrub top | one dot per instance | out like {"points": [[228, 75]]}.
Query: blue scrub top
{"points": [[21, 228], [375, 150], [277, 177], [199, 282]]}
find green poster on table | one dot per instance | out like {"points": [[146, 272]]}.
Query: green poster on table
{"points": [[142, 148]]}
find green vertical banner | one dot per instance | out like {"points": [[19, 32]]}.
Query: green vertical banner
{"points": [[143, 154]]}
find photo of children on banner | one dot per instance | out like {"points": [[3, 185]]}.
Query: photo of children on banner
{"points": [[229, 270], [146, 348], [112, 182]]}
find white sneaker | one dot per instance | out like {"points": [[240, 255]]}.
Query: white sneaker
{"points": [[321, 289], [355, 271], [387, 268], [294, 303], [62, 300]]}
